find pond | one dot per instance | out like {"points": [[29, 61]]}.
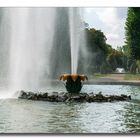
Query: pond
{"points": [[26, 116]]}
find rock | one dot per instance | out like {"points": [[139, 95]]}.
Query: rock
{"points": [[125, 97], [90, 99], [30, 93], [68, 100], [83, 96], [45, 95], [55, 93], [61, 93], [63, 96], [32, 97], [23, 94], [75, 97], [61, 99], [40, 96], [29, 97], [67, 95], [129, 97], [52, 97], [109, 100], [100, 93], [91, 94], [99, 97]]}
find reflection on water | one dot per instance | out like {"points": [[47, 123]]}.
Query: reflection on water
{"points": [[25, 116]]}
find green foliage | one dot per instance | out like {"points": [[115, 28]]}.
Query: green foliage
{"points": [[105, 68], [102, 57], [133, 32], [97, 49], [116, 58], [126, 50], [96, 40]]}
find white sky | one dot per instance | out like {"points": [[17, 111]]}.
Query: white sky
{"points": [[111, 21]]}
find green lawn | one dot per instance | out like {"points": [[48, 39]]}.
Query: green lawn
{"points": [[132, 77], [99, 75]]}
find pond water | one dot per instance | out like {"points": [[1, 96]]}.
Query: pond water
{"points": [[26, 116]]}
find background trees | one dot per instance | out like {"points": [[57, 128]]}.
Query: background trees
{"points": [[101, 56], [133, 32], [104, 58], [96, 48], [133, 37]]}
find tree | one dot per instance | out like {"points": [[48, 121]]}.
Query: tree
{"points": [[116, 58], [133, 32], [96, 40], [97, 49]]}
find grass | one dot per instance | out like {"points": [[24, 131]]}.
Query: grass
{"points": [[132, 77], [98, 75], [126, 76]]}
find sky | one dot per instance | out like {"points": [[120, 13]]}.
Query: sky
{"points": [[111, 21]]}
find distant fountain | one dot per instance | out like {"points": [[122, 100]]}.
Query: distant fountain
{"points": [[37, 44]]}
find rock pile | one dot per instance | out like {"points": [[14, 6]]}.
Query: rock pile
{"points": [[72, 97]]}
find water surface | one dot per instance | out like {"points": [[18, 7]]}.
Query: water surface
{"points": [[26, 116]]}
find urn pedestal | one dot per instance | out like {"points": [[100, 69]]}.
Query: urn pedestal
{"points": [[73, 82]]}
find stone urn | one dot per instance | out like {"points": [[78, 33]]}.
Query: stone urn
{"points": [[73, 82]]}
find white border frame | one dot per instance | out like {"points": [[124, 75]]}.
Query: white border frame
{"points": [[69, 3]]}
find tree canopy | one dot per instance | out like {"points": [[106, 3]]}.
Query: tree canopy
{"points": [[133, 32]]}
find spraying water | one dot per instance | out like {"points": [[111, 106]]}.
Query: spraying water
{"points": [[74, 38], [37, 45], [30, 44]]}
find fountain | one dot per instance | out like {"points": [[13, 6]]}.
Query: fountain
{"points": [[73, 82], [32, 43], [37, 45]]}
